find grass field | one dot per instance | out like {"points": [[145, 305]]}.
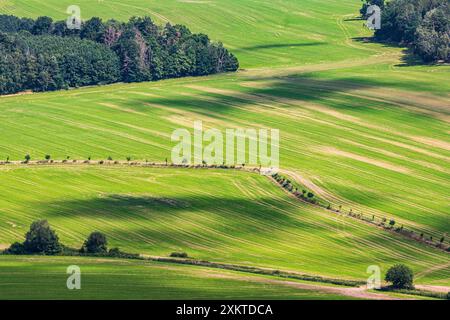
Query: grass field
{"points": [[216, 215], [45, 278], [360, 126]]}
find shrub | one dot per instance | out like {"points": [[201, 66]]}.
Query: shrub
{"points": [[179, 255], [41, 239], [114, 252], [16, 248], [95, 243], [47, 157], [400, 276]]}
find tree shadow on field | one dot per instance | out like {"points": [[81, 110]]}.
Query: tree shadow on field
{"points": [[175, 217], [303, 83], [354, 19], [304, 87]]}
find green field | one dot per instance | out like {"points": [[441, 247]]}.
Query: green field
{"points": [[216, 215], [45, 278], [360, 126]]}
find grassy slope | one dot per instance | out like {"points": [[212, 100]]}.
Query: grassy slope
{"points": [[303, 72], [348, 122], [45, 278], [227, 216]]}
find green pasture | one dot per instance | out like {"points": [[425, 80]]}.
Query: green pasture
{"points": [[361, 124], [216, 215], [45, 278]]}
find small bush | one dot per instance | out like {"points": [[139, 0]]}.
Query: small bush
{"points": [[179, 255], [95, 243], [114, 252], [16, 248]]}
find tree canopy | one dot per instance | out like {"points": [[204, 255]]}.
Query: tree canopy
{"points": [[400, 276], [95, 243], [41, 239], [423, 25], [42, 55]]}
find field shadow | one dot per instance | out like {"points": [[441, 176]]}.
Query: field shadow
{"points": [[134, 220], [354, 19], [301, 87], [116, 207]]}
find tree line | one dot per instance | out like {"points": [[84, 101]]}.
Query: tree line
{"points": [[422, 25], [42, 55]]}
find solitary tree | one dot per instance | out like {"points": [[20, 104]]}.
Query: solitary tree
{"points": [[400, 276], [27, 158], [95, 243], [47, 157], [41, 239]]}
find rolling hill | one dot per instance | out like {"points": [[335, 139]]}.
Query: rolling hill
{"points": [[361, 126]]}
